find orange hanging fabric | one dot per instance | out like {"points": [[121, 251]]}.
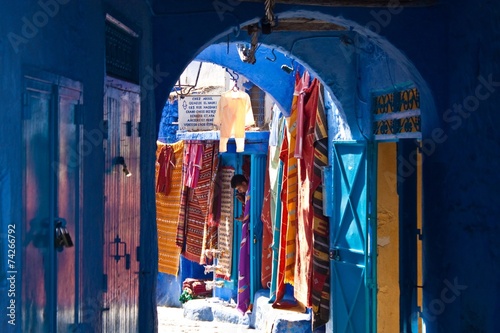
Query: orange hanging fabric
{"points": [[306, 186], [168, 211]]}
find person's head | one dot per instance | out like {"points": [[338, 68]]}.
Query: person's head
{"points": [[240, 183]]}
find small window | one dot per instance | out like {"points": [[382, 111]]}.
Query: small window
{"points": [[122, 51]]}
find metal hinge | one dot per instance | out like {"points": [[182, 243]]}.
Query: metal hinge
{"points": [[105, 283], [334, 254], [26, 111], [371, 284], [127, 261], [105, 129], [128, 128], [420, 235]]}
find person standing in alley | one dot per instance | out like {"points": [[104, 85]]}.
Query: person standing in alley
{"points": [[240, 183]]}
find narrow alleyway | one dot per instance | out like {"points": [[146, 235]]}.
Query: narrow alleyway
{"points": [[171, 320]]}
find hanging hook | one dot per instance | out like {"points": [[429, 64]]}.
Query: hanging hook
{"points": [[234, 76], [237, 76], [288, 69], [274, 59]]}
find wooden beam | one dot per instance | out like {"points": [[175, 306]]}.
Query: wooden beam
{"points": [[305, 24], [308, 27], [354, 3]]}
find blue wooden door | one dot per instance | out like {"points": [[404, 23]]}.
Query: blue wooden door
{"points": [[352, 238]]}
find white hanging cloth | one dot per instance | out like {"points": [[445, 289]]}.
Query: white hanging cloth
{"points": [[234, 113]]}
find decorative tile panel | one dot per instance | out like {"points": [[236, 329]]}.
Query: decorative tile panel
{"points": [[396, 114]]}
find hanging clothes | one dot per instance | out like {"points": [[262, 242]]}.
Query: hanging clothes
{"points": [[191, 163], [243, 297], [192, 160], [300, 91], [280, 280], [275, 171], [306, 186], [267, 231], [233, 114], [284, 291], [268, 215], [226, 222], [301, 83], [165, 163], [168, 208], [196, 234], [321, 238], [283, 261], [274, 135]]}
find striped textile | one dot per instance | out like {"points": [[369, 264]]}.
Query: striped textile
{"points": [[210, 240], [267, 228], [194, 154], [303, 267], [275, 171], [321, 240], [243, 297], [167, 210], [181, 228], [280, 280], [226, 221], [291, 192], [198, 235]]}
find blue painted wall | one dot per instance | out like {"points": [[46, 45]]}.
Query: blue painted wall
{"points": [[265, 74], [168, 129], [461, 182], [67, 38]]}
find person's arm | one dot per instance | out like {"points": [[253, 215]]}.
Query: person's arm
{"points": [[240, 197], [242, 218]]}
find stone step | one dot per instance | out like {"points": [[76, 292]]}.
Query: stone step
{"points": [[264, 318]]}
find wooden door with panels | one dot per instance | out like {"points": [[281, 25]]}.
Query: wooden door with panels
{"points": [[122, 206], [50, 255]]}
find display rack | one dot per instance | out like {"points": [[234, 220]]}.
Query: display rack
{"points": [[215, 254]]}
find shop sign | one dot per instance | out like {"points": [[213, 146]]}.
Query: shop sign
{"points": [[196, 112]]}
